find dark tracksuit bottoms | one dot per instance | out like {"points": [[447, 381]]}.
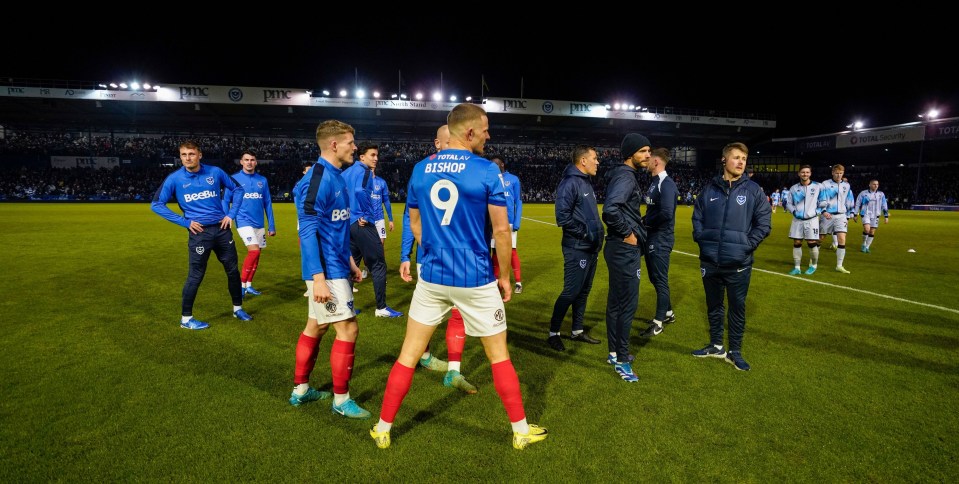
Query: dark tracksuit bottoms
{"points": [[365, 244], [720, 283], [218, 240], [623, 263], [579, 267], [657, 268]]}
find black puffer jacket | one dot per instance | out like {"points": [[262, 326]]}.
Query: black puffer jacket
{"points": [[729, 222], [621, 209], [577, 212]]}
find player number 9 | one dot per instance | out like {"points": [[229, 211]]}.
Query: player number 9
{"points": [[449, 205]]}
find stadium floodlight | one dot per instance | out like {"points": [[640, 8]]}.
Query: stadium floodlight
{"points": [[156, 87], [469, 98], [147, 86], [114, 85], [855, 125], [632, 107], [123, 85], [932, 114], [135, 86], [360, 94], [309, 92], [402, 96], [326, 92], [376, 94], [608, 107], [393, 96], [437, 96], [419, 96], [453, 98], [343, 93], [616, 106], [102, 85]]}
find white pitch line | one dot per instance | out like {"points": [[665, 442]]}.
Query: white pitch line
{"points": [[853, 289]]}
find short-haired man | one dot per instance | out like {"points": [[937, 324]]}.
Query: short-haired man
{"points": [[730, 219], [805, 202], [365, 242], [197, 189], [323, 212], [660, 221], [625, 238], [577, 214], [249, 222], [839, 203], [454, 197], [871, 202]]}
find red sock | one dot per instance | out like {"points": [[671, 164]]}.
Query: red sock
{"points": [[495, 266], [397, 386], [256, 263], [306, 350], [507, 385], [248, 262], [341, 365], [515, 261], [455, 336]]}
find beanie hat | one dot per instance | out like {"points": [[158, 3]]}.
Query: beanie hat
{"points": [[632, 143]]}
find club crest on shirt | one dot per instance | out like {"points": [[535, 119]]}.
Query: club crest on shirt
{"points": [[582, 263], [259, 184], [639, 273], [741, 199], [331, 307], [210, 180]]}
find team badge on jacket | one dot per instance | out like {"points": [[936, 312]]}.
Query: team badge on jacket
{"points": [[582, 263], [741, 199]]}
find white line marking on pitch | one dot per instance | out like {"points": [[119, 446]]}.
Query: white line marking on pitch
{"points": [[853, 289]]}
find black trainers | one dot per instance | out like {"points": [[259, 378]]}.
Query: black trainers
{"points": [[585, 338], [653, 330], [670, 319], [556, 343], [735, 358]]}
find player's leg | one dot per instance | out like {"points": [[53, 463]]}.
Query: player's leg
{"points": [[517, 273], [840, 227], [581, 294], [866, 233], [226, 253], [657, 266], [307, 350], [813, 245], [714, 286], [455, 342], [258, 249], [737, 286], [797, 256], [199, 247], [574, 272]]}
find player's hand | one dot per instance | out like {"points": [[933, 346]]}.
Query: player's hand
{"points": [[357, 273], [826, 214], [321, 292], [272, 233], [505, 289], [405, 271], [631, 240], [226, 223], [391, 226], [362, 222], [195, 227]]}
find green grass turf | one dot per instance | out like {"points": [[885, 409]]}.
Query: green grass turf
{"points": [[100, 383]]}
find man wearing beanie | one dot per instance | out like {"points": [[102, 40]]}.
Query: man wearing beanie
{"points": [[625, 238]]}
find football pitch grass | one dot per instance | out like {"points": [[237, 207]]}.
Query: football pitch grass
{"points": [[99, 383]]}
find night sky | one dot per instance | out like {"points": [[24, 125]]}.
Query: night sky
{"points": [[811, 86]]}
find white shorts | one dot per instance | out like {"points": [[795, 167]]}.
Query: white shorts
{"points": [[481, 307], [492, 242], [871, 219], [837, 224], [252, 236], [804, 229], [338, 309], [381, 228]]}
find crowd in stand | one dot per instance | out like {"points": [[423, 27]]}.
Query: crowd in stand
{"points": [[539, 167]]}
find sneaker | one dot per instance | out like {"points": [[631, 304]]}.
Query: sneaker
{"points": [[242, 315], [670, 319], [625, 371], [433, 363], [355, 290], [611, 359], [710, 350], [311, 395], [365, 274], [868, 251], [454, 379], [350, 409], [863, 249], [585, 338], [382, 439], [194, 324], [653, 330], [536, 434], [556, 343], [518, 289], [795, 272], [735, 358], [388, 312], [842, 269], [249, 291], [811, 270]]}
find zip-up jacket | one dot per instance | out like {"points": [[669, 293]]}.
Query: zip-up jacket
{"points": [[729, 222], [621, 210], [577, 212]]}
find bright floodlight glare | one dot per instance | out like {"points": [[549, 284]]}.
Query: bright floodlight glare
{"points": [[437, 96], [402, 96], [393, 96], [360, 93], [376, 94], [135, 86], [326, 92], [102, 85], [933, 113], [114, 85], [147, 86], [342, 92], [123, 85], [857, 124], [469, 98], [616, 106], [632, 106], [453, 98], [419, 96], [607, 107]]}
